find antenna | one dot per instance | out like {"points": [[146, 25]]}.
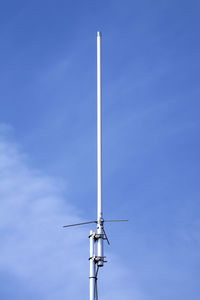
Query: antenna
{"points": [[97, 258], [100, 230]]}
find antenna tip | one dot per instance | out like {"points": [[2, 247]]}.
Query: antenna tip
{"points": [[99, 33]]}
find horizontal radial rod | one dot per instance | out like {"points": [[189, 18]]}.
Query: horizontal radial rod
{"points": [[122, 220], [84, 223], [90, 222]]}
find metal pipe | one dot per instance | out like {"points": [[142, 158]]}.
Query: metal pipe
{"points": [[99, 128], [100, 231], [92, 266]]}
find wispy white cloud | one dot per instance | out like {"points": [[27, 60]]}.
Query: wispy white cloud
{"points": [[33, 207], [34, 247]]}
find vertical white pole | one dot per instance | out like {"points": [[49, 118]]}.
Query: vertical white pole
{"points": [[99, 127], [99, 156], [92, 266]]}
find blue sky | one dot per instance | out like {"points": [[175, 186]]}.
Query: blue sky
{"points": [[151, 108]]}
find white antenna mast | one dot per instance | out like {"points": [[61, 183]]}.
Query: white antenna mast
{"points": [[99, 156], [97, 257]]}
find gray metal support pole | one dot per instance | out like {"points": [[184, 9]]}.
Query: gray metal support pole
{"points": [[92, 265]]}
